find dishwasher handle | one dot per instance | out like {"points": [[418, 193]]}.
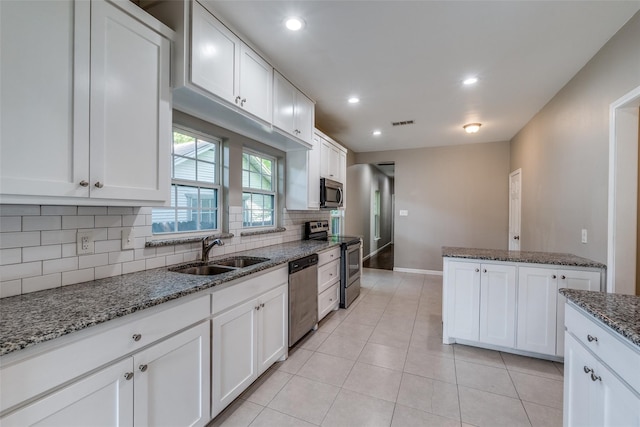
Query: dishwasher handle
{"points": [[302, 263]]}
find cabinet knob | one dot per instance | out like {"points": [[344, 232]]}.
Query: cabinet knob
{"points": [[591, 338], [477, 270], [563, 277], [516, 237], [484, 270], [595, 377], [128, 376], [257, 307], [143, 368], [136, 337], [587, 369], [243, 101], [553, 277], [84, 183], [238, 98], [98, 184], [262, 305]]}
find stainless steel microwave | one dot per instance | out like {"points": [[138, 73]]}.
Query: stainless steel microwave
{"points": [[330, 194]]}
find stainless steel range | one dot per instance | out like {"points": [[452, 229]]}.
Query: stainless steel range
{"points": [[350, 259]]}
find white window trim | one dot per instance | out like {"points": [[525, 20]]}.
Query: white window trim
{"points": [[274, 192]]}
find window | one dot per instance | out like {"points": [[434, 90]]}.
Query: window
{"points": [[336, 222], [376, 214], [195, 186], [258, 190]]}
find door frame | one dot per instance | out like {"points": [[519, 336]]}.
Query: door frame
{"points": [[623, 193], [515, 172]]}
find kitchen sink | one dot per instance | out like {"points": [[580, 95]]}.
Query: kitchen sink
{"points": [[220, 266], [240, 261]]}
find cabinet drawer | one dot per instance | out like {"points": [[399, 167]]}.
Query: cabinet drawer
{"points": [[328, 300], [620, 357], [24, 379], [328, 274], [328, 256], [247, 288]]}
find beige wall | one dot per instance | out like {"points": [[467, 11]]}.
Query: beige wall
{"points": [[563, 153], [456, 196]]}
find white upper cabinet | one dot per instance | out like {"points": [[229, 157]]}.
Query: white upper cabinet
{"points": [[303, 178], [333, 161], [94, 125], [224, 66], [293, 112]]}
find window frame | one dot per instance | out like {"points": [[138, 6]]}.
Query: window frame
{"points": [[216, 185], [273, 192], [376, 214]]}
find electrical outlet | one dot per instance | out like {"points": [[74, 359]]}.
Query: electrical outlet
{"points": [[85, 242], [128, 239], [584, 235]]}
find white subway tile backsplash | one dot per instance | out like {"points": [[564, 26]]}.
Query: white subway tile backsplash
{"points": [[144, 253], [92, 210], [10, 223], [133, 266], [155, 262], [78, 221], [131, 220], [165, 250], [19, 239], [119, 210], [59, 210], [107, 246], [108, 221], [120, 257], [87, 261], [69, 249], [60, 265], [77, 276], [40, 283], [10, 256], [108, 271], [33, 223], [58, 237], [176, 259], [39, 253], [10, 288], [19, 210], [20, 271]]}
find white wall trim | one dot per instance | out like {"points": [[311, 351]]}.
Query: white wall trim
{"points": [[617, 136], [375, 252], [417, 271]]}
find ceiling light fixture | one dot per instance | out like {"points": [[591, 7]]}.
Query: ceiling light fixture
{"points": [[472, 127], [469, 81], [377, 133], [354, 100], [294, 24]]}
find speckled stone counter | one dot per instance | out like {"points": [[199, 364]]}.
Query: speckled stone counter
{"points": [[520, 256], [29, 319], [620, 312]]}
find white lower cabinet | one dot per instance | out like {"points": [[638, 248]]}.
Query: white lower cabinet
{"points": [[166, 384], [537, 295], [498, 304], [328, 281], [462, 301], [247, 339], [594, 394]]}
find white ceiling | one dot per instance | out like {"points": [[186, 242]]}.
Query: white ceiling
{"points": [[406, 60]]}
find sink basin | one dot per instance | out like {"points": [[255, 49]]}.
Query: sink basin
{"points": [[240, 261], [205, 270]]}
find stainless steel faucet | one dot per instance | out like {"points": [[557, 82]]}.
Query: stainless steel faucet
{"points": [[206, 246]]}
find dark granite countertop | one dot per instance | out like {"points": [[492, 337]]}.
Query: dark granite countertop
{"points": [[520, 256], [29, 319], [620, 312]]}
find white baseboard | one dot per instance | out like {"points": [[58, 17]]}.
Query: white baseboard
{"points": [[375, 252], [417, 271]]}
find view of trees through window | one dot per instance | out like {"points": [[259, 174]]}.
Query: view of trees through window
{"points": [[258, 195]]}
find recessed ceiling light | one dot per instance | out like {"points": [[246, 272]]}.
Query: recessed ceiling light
{"points": [[377, 133], [354, 100], [294, 23], [469, 81], [472, 127]]}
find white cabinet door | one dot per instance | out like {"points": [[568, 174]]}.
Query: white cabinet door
{"points": [[272, 327], [313, 174], [284, 98], [498, 304], [537, 295], [172, 380], [44, 98], [620, 406], [234, 351], [130, 108], [102, 399], [342, 167], [215, 58], [304, 117], [463, 300], [330, 161], [572, 279], [581, 399], [256, 80]]}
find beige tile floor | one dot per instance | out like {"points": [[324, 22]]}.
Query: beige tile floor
{"points": [[382, 363]]}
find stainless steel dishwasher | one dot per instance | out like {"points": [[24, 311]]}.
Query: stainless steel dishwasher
{"points": [[303, 297]]}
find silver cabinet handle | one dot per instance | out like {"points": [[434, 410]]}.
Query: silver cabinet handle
{"points": [[143, 368], [587, 369], [484, 270], [262, 305], [477, 270], [84, 183], [99, 184], [136, 337], [243, 101], [591, 338], [257, 307], [238, 98], [595, 377], [516, 237], [563, 277], [128, 376]]}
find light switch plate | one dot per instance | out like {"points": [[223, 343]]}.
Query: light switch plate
{"points": [[128, 238], [584, 235], [85, 242], [404, 212]]}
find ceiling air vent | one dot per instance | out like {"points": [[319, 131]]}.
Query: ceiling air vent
{"points": [[403, 123]]}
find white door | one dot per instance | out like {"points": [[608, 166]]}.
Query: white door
{"points": [[102, 399], [233, 353], [537, 296], [44, 98], [256, 80], [515, 198], [498, 304], [273, 323], [172, 380], [130, 108], [463, 300]]}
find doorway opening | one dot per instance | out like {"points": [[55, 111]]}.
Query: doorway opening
{"points": [[380, 211]]}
